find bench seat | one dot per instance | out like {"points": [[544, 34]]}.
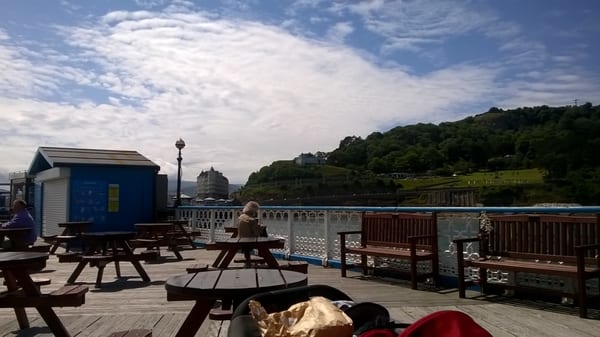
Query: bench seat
{"points": [[196, 268], [219, 314], [391, 253], [66, 296], [38, 281], [68, 257], [298, 266], [508, 264]]}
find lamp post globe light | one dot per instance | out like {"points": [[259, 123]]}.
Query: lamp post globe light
{"points": [[179, 144]]}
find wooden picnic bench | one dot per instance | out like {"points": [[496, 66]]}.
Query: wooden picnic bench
{"points": [[71, 233], [404, 236], [230, 247], [565, 246], [23, 292], [107, 247], [152, 236]]}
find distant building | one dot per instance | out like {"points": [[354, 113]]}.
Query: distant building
{"points": [[309, 159], [212, 184]]}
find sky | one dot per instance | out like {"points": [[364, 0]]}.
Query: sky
{"points": [[246, 83]]}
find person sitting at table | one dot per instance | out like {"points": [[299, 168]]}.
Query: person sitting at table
{"points": [[22, 219], [248, 225]]}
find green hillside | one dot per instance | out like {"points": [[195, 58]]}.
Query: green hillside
{"points": [[519, 156]]}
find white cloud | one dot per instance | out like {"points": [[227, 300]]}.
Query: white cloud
{"points": [[339, 31], [411, 24], [240, 93]]}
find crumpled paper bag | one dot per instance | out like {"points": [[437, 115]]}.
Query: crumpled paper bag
{"points": [[317, 317]]}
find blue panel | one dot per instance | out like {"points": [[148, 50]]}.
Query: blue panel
{"points": [[88, 200], [89, 196]]}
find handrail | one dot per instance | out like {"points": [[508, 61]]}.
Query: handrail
{"points": [[479, 209]]}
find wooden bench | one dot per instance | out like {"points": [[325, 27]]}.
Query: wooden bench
{"points": [[555, 245], [38, 282], [71, 233], [152, 236], [70, 256], [195, 268], [404, 236], [41, 247], [66, 296], [220, 314]]}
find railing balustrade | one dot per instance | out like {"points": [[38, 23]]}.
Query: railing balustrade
{"points": [[311, 232]]}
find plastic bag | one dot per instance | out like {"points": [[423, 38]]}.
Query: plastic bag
{"points": [[317, 317]]}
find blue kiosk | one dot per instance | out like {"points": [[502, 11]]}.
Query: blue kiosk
{"points": [[114, 189]]}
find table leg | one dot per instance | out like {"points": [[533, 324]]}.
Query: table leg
{"points": [[53, 322], [115, 251], [11, 285], [227, 259], [57, 243], [195, 318], [136, 263], [187, 235], [219, 258], [49, 316], [101, 265], [76, 272], [265, 253], [177, 253]]}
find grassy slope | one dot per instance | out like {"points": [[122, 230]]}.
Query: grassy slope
{"points": [[477, 179]]}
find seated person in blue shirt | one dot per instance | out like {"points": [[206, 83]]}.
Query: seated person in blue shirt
{"points": [[22, 219]]}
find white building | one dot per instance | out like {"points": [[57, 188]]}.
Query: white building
{"points": [[212, 184]]}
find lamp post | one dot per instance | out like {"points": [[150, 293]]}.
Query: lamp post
{"points": [[180, 144]]}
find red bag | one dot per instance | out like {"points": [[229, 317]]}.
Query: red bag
{"points": [[445, 323]]}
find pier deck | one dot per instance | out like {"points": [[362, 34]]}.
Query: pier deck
{"points": [[123, 305]]}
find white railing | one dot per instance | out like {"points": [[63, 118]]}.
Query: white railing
{"points": [[310, 233]]}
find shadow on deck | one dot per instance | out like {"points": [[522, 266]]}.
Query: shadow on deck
{"points": [[129, 304]]}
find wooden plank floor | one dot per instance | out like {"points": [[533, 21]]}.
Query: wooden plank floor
{"points": [[129, 304]]}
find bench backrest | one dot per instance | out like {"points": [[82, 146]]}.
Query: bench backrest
{"points": [[533, 236], [394, 229]]}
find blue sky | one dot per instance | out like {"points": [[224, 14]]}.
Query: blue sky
{"points": [[245, 83]]}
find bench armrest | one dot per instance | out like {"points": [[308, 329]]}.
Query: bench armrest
{"points": [[583, 248], [349, 232], [463, 240], [343, 238], [580, 256]]}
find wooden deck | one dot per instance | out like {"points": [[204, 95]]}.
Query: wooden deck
{"points": [[123, 305]]}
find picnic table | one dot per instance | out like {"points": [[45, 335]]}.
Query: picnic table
{"points": [[72, 231], [106, 247], [16, 237], [182, 232], [22, 291], [230, 247], [154, 235], [228, 285]]}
